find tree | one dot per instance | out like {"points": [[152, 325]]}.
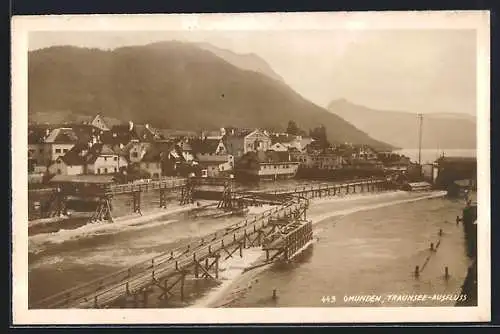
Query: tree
{"points": [[319, 135], [292, 128]]}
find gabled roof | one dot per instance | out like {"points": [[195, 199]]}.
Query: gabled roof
{"points": [[148, 133], [158, 150], [62, 136], [98, 150], [74, 157], [205, 145], [120, 134]]}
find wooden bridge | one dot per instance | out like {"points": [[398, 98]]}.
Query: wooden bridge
{"points": [[200, 258], [281, 232]]}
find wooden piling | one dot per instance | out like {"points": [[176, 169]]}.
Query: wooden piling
{"points": [[446, 273], [183, 278], [417, 271]]}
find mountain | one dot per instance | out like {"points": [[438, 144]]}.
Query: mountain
{"points": [[439, 131], [249, 61], [170, 85]]}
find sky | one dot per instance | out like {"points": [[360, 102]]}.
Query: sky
{"points": [[417, 71]]}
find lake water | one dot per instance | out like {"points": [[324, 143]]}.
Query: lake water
{"points": [[429, 156], [361, 249], [371, 252]]}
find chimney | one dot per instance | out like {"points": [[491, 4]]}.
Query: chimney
{"points": [[130, 125], [147, 126], [232, 132]]}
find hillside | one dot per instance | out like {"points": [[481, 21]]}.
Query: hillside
{"points": [[248, 62], [439, 131], [170, 85]]}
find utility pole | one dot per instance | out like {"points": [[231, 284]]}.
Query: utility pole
{"points": [[420, 118]]}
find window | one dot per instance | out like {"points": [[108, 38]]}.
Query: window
{"points": [[58, 150], [98, 171], [115, 158], [147, 165], [58, 171], [41, 150], [65, 150], [105, 170], [115, 170], [135, 154], [105, 158]]}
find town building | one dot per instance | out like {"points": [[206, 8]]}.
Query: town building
{"points": [[102, 159], [57, 144], [120, 134], [269, 165], [99, 123], [290, 141], [241, 142]]}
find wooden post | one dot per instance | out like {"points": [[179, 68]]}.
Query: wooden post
{"points": [[165, 286], [136, 302], [145, 297], [217, 267], [417, 271], [241, 249], [182, 286], [195, 266], [446, 273]]}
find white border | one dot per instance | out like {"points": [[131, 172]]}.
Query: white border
{"points": [[22, 25]]}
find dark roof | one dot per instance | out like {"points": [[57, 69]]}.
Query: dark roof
{"points": [[62, 136], [148, 133], [183, 146], [84, 132], [74, 157], [157, 151], [204, 145], [282, 139], [97, 150], [238, 132], [119, 134]]}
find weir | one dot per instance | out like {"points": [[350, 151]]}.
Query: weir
{"points": [[282, 232]]}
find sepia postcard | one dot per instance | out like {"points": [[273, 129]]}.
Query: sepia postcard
{"points": [[251, 168]]}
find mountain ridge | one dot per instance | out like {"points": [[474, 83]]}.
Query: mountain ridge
{"points": [[171, 85], [399, 128]]}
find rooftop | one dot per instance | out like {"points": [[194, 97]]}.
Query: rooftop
{"points": [[62, 136]]}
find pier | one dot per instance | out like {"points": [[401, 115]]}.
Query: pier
{"points": [[282, 232]]}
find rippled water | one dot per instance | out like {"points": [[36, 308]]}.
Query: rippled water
{"points": [[371, 251]]}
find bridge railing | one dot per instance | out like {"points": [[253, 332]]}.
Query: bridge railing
{"points": [[111, 293], [181, 255], [145, 186], [80, 291]]}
